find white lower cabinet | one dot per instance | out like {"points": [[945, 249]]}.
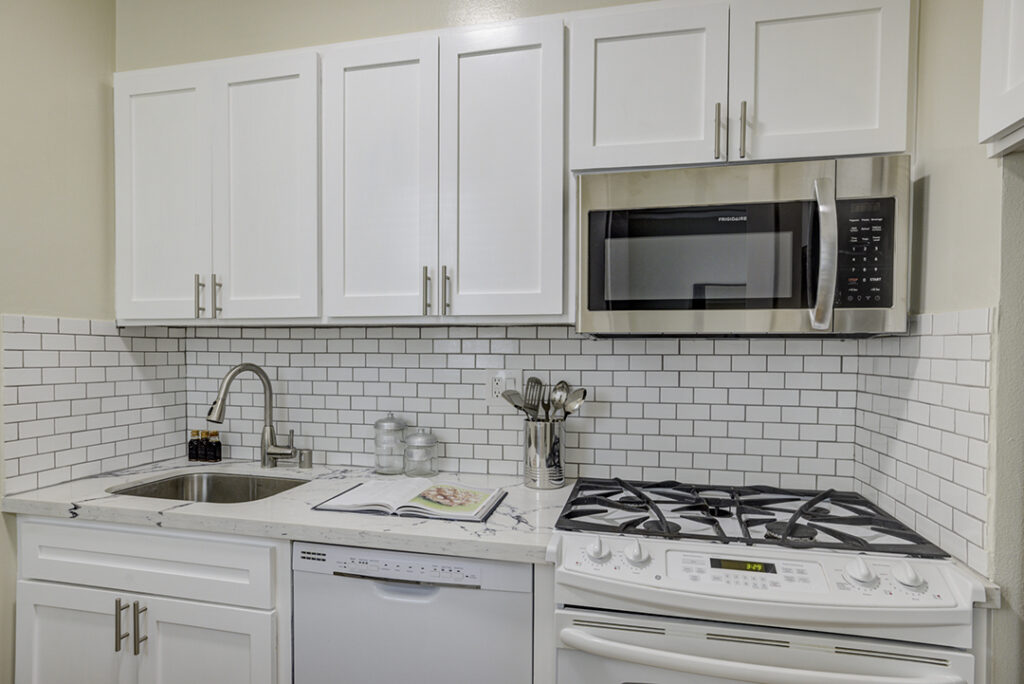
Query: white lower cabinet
{"points": [[70, 634], [67, 634], [195, 642], [81, 617]]}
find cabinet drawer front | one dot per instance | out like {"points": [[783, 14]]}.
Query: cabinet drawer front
{"points": [[195, 566]]}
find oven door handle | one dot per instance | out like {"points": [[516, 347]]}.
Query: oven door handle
{"points": [[828, 253], [725, 669]]}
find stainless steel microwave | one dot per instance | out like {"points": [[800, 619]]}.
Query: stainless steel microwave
{"points": [[809, 247]]}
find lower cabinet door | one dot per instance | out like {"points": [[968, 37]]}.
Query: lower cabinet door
{"points": [[188, 642], [67, 634]]}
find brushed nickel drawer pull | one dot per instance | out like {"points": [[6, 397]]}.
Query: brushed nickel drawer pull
{"points": [[136, 612], [198, 285], [119, 607]]}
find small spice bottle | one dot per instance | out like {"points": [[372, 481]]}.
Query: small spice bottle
{"points": [[214, 447], [193, 446], [204, 445]]}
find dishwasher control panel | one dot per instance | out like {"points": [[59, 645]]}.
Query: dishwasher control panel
{"points": [[351, 561]]}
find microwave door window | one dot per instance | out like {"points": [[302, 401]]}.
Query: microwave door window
{"points": [[723, 257]]}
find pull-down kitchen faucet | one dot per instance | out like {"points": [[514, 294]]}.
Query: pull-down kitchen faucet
{"points": [[270, 450]]}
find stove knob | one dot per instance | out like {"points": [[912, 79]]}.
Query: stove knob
{"points": [[860, 572], [636, 554], [597, 551], [906, 575]]}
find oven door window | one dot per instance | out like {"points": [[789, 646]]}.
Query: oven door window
{"points": [[747, 256]]}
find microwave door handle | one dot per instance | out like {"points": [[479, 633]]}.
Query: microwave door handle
{"points": [[729, 669], [828, 253]]}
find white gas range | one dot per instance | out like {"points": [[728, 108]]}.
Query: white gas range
{"points": [[670, 583]]}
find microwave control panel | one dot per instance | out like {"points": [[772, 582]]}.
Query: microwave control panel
{"points": [[866, 245]]}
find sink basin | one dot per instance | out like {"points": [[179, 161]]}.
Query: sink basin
{"points": [[211, 487]]}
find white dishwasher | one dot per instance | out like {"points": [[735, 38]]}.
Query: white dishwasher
{"points": [[367, 615]]}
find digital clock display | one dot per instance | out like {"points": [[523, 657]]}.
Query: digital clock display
{"points": [[743, 565]]}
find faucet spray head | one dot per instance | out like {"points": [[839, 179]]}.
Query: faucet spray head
{"points": [[216, 412]]}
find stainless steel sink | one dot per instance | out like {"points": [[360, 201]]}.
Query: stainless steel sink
{"points": [[211, 487]]}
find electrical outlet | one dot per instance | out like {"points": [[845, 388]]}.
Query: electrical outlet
{"points": [[497, 382]]}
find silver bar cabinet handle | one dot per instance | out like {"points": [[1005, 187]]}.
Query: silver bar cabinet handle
{"points": [[119, 607], [718, 130], [215, 285], [426, 290], [828, 253], [743, 129], [198, 285], [136, 612], [446, 280]]}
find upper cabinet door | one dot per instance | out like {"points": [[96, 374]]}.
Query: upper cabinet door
{"points": [[1002, 69], [813, 79], [501, 170], [265, 187], [646, 86], [162, 186], [380, 178]]}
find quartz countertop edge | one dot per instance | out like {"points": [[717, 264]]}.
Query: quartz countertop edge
{"points": [[518, 530]]}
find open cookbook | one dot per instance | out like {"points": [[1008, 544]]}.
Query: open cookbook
{"points": [[417, 497]]}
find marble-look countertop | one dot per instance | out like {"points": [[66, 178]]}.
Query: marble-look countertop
{"points": [[518, 530]]}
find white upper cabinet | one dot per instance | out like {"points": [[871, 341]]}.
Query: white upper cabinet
{"points": [[162, 191], [380, 177], [1002, 70], [265, 218], [216, 177], [501, 173], [646, 86], [813, 79], [707, 82]]}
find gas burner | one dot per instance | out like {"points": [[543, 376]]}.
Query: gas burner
{"points": [[708, 509], [757, 515], [777, 530]]}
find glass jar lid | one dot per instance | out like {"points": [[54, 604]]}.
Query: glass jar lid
{"points": [[421, 438], [390, 422]]}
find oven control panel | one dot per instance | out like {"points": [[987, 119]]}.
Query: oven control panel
{"points": [[866, 246], [759, 573]]}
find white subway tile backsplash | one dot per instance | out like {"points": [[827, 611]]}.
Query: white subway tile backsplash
{"points": [[66, 387], [904, 420], [922, 428]]}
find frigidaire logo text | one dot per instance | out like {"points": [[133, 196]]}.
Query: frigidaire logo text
{"points": [[732, 218]]}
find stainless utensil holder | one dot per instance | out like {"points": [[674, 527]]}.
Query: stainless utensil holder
{"points": [[543, 444]]}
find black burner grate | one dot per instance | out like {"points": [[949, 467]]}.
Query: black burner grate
{"points": [[810, 521]]}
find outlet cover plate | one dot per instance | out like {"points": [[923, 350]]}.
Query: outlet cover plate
{"points": [[497, 381]]}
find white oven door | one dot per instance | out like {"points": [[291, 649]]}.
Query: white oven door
{"points": [[614, 648]]}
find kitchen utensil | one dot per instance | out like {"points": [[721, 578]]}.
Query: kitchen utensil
{"points": [[516, 399], [420, 454], [531, 400], [558, 395], [542, 453], [545, 403], [575, 400], [388, 450]]}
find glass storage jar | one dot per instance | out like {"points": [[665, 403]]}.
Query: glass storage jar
{"points": [[388, 449], [421, 454]]}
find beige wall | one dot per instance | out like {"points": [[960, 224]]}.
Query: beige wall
{"points": [[956, 188], [56, 164], [158, 32], [56, 185]]}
